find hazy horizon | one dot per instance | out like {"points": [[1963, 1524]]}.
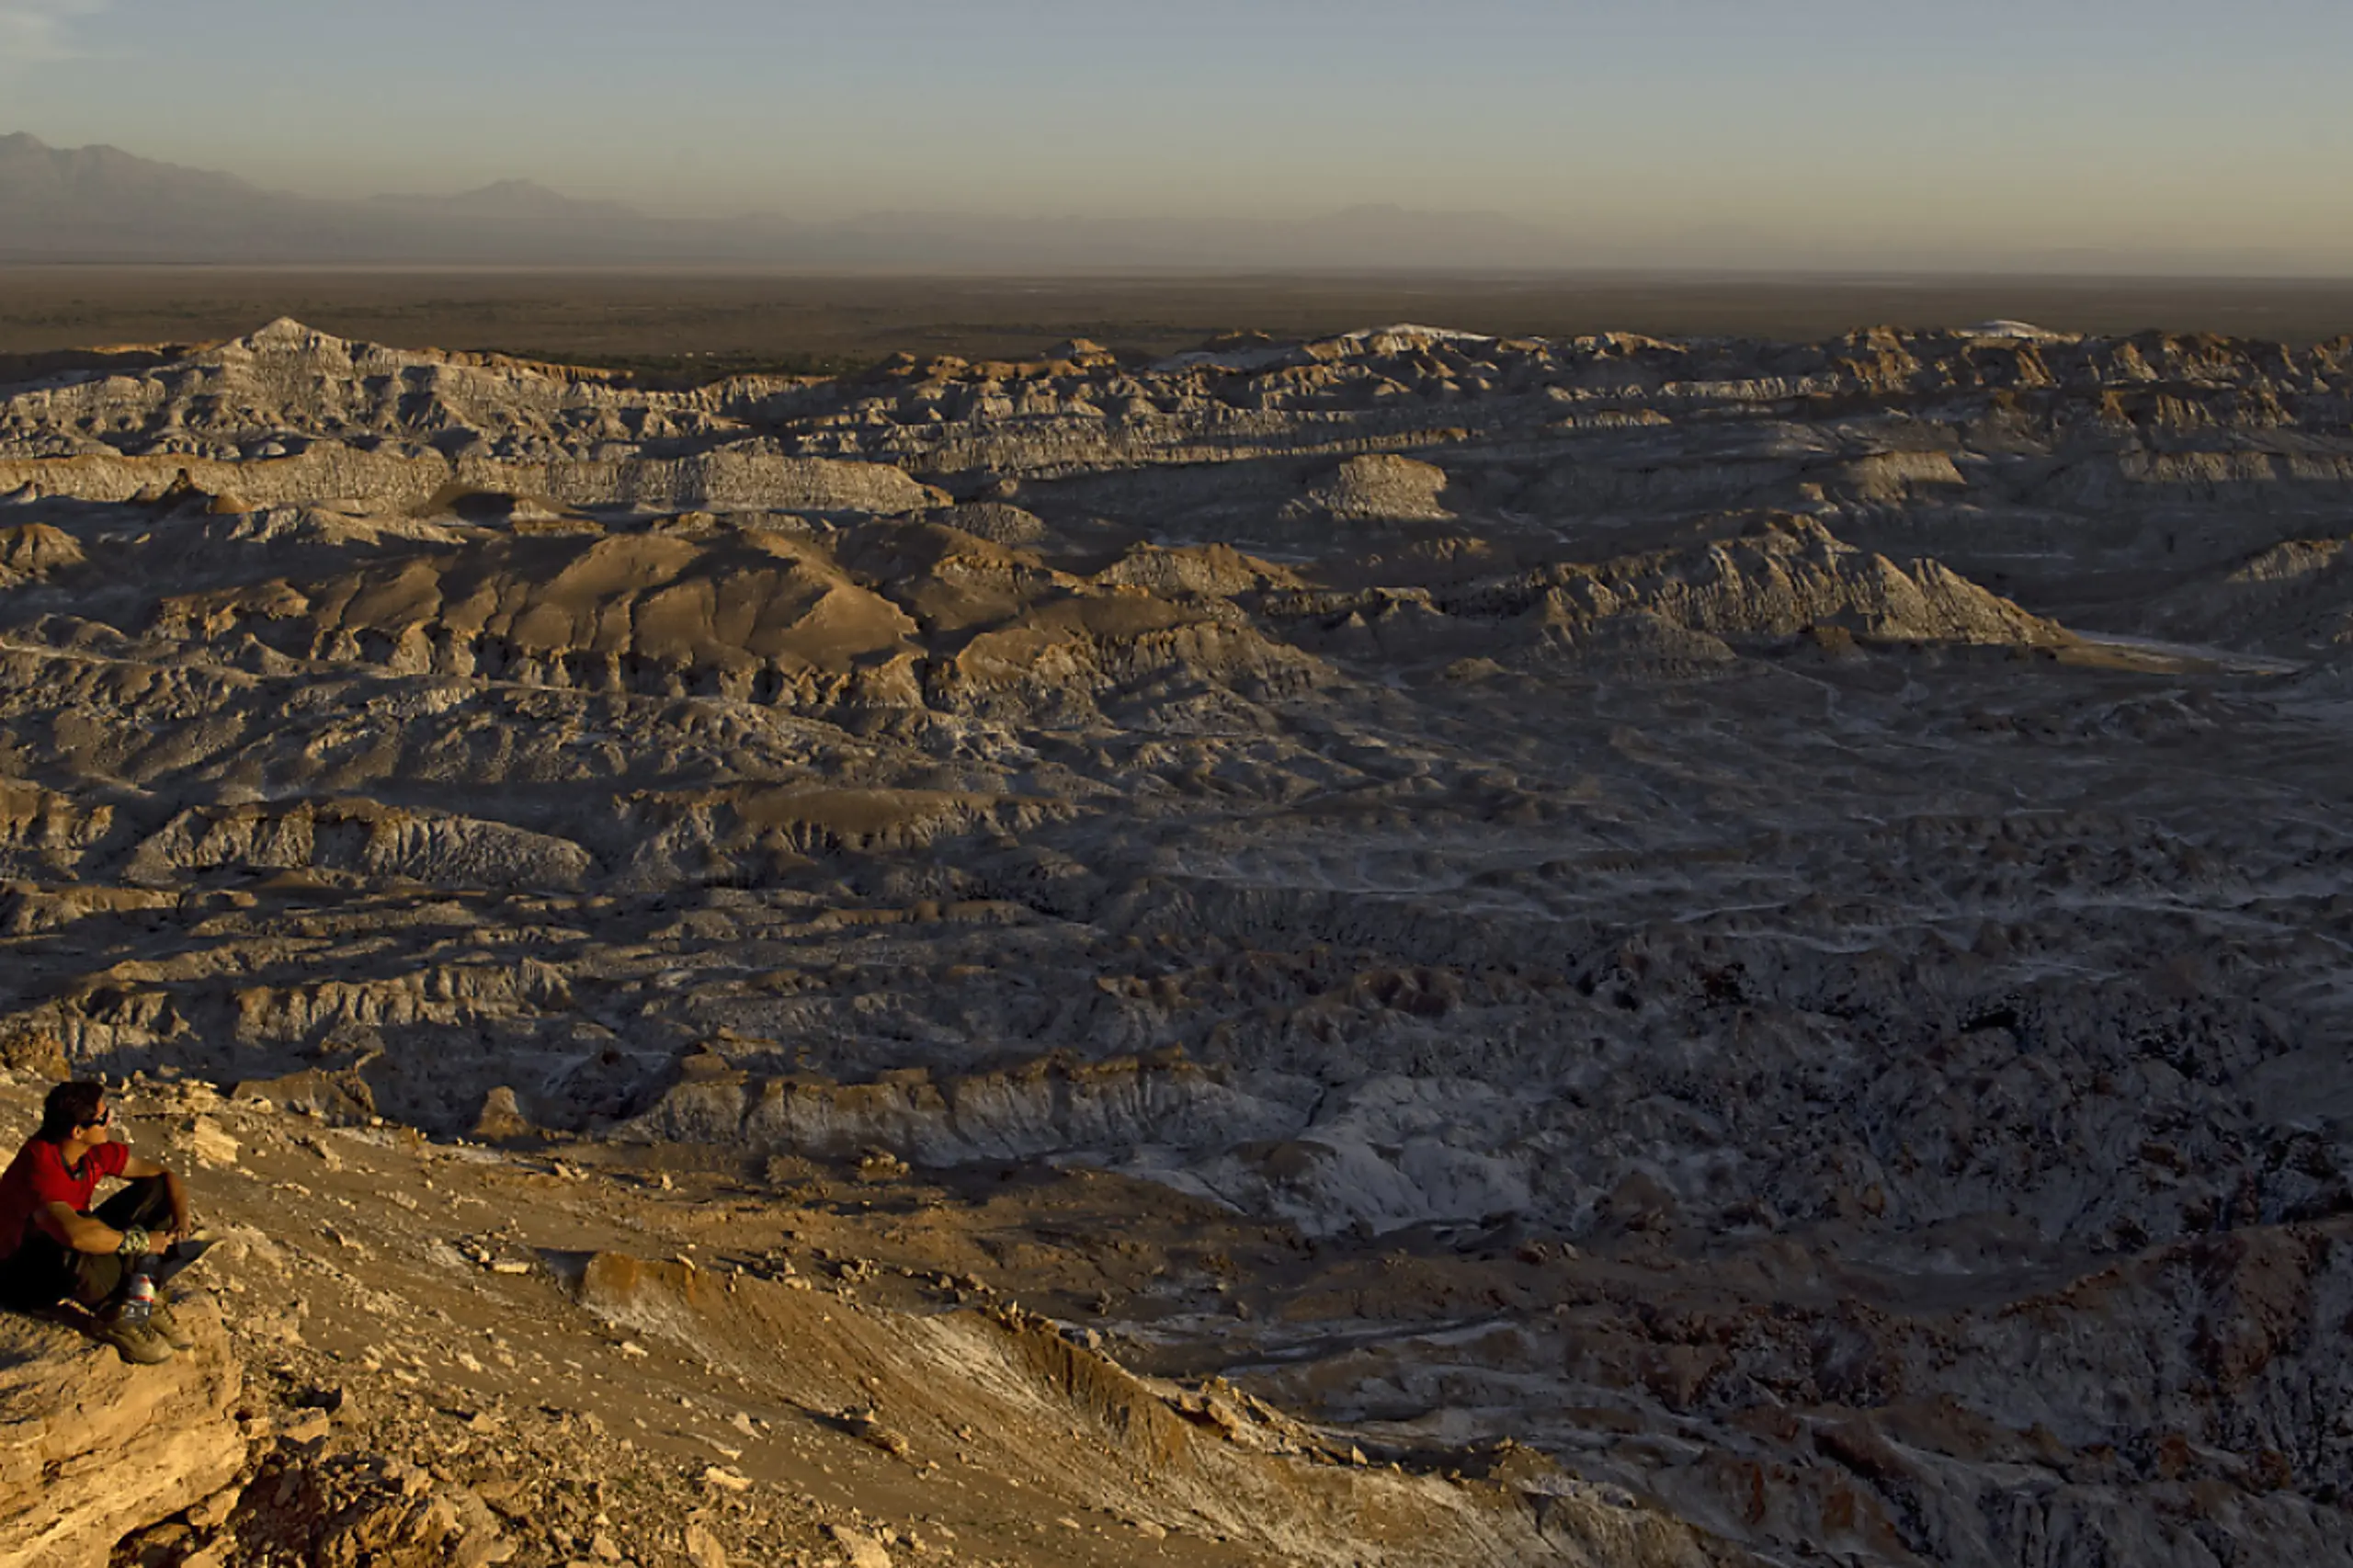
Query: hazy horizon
{"points": [[1807, 135]]}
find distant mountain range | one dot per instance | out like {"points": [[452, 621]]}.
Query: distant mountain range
{"points": [[101, 204]]}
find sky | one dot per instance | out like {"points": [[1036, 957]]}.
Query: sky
{"points": [[1800, 132]]}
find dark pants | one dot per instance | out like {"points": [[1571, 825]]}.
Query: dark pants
{"points": [[44, 1272]]}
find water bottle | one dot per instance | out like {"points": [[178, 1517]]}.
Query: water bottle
{"points": [[140, 1299]]}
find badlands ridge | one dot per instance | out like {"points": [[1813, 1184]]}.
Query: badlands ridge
{"points": [[1764, 922]]}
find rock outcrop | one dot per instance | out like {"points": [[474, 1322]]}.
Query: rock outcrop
{"points": [[92, 1448]]}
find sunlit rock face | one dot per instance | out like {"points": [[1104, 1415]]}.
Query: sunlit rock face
{"points": [[1789, 900], [92, 1448]]}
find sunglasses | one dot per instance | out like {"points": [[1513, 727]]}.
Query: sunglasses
{"points": [[101, 1120]]}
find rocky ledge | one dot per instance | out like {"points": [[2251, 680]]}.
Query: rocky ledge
{"points": [[92, 1448]]}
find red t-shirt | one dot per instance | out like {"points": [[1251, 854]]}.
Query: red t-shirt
{"points": [[37, 1177]]}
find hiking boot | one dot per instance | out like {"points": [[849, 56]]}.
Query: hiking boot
{"points": [[137, 1342], [164, 1325]]}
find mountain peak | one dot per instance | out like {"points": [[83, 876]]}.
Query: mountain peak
{"points": [[282, 333], [510, 199], [529, 191]]}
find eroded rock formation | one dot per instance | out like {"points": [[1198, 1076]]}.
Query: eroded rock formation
{"points": [[1770, 912]]}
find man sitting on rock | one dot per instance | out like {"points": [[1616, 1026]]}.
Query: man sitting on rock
{"points": [[53, 1247]]}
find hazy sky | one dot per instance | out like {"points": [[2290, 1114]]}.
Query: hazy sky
{"points": [[1815, 130]]}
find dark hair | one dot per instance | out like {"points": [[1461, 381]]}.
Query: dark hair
{"points": [[70, 1107]]}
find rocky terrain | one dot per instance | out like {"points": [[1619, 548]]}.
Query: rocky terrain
{"points": [[413, 1356], [1759, 924]]}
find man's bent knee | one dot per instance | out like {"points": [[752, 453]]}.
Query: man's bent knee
{"points": [[144, 1201]]}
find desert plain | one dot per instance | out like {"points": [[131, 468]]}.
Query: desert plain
{"points": [[1499, 941]]}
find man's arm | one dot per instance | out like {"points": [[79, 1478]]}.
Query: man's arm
{"points": [[134, 1169], [85, 1234]]}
